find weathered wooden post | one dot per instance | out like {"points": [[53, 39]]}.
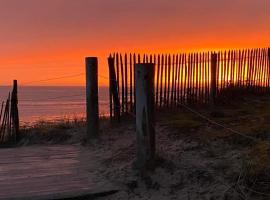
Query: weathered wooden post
{"points": [[213, 90], [145, 122], [113, 88], [269, 55], [14, 112], [92, 112], [268, 52]]}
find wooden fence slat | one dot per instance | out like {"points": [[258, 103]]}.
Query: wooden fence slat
{"points": [[134, 85], [118, 74], [169, 80], [200, 79], [110, 90], [122, 84], [14, 114], [1, 113], [180, 79], [245, 68], [249, 67], [232, 72], [131, 82], [114, 89], [213, 77], [193, 77], [205, 77], [161, 81], [187, 78], [240, 59], [262, 56], [157, 80], [208, 74], [268, 66], [173, 80], [196, 78], [264, 70], [165, 78], [126, 84], [185, 63], [176, 90], [257, 71]]}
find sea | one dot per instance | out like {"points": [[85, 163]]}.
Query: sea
{"points": [[47, 103]]}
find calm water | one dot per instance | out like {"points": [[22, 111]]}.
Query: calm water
{"points": [[52, 103]]}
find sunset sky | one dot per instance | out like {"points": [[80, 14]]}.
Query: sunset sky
{"points": [[41, 39]]}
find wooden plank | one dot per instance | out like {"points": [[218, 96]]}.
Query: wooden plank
{"points": [[61, 178]]}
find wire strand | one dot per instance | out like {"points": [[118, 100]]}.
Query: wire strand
{"points": [[54, 78]]}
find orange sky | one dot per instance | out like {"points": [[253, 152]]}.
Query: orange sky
{"points": [[41, 39]]}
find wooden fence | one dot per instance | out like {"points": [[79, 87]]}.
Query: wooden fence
{"points": [[9, 119], [194, 78]]}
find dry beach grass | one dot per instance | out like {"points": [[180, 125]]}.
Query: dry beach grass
{"points": [[195, 159]]}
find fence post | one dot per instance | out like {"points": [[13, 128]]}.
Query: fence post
{"points": [[213, 90], [145, 122], [92, 112], [113, 88], [15, 112], [268, 52]]}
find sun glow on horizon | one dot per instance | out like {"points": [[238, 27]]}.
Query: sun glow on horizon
{"points": [[39, 44]]}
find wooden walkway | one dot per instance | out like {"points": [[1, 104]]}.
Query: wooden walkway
{"points": [[50, 172]]}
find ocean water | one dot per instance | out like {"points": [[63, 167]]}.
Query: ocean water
{"points": [[53, 103]]}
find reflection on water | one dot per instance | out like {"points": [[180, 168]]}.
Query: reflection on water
{"points": [[54, 103]]}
